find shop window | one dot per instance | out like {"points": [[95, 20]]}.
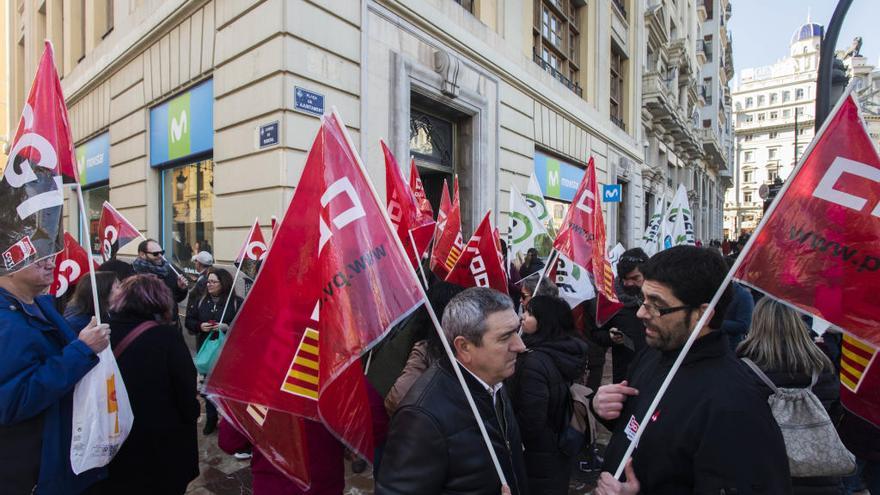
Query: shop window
{"points": [[188, 211], [94, 198]]}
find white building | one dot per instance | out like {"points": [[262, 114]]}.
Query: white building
{"points": [[866, 81], [774, 121]]}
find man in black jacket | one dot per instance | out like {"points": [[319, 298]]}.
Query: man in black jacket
{"points": [[712, 431], [434, 444], [151, 259]]}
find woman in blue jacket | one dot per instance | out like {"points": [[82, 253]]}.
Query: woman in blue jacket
{"points": [[41, 360]]}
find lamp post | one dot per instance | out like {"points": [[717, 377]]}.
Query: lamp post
{"points": [[826, 62]]}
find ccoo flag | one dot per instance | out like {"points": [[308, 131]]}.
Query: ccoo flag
{"points": [[332, 285], [449, 243], [652, 241], [525, 228], [41, 159], [71, 263], [114, 231], [253, 252], [479, 265], [817, 248], [403, 209], [678, 226], [418, 190]]}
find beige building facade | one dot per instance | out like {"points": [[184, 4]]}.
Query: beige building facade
{"points": [[193, 117]]}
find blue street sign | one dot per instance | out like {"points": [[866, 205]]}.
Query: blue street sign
{"points": [[611, 193], [308, 101], [269, 134]]}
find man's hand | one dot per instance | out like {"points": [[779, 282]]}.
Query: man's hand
{"points": [[97, 337], [207, 326], [181, 282], [610, 486], [616, 336], [609, 399], [505, 490]]}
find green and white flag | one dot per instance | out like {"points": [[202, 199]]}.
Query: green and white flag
{"points": [[524, 227], [678, 227], [652, 241], [573, 282], [535, 199]]}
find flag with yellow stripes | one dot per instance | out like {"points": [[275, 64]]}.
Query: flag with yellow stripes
{"points": [[302, 377], [860, 379]]}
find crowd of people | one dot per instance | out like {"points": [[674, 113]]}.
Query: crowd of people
{"points": [[533, 364]]}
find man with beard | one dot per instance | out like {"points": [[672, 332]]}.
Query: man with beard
{"points": [[624, 332], [712, 431], [151, 259]]}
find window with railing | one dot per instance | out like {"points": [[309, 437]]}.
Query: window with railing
{"points": [[618, 62], [707, 47], [556, 40]]}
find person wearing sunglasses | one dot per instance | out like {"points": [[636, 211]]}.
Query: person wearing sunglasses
{"points": [[712, 431], [151, 259]]}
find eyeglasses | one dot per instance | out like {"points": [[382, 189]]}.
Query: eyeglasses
{"points": [[157, 253], [46, 262], [658, 312]]}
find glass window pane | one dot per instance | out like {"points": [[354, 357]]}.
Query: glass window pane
{"points": [[94, 199], [430, 138], [188, 212]]}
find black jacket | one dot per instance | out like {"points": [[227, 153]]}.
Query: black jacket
{"points": [[712, 432], [434, 445], [161, 453], [539, 391], [204, 309], [633, 330], [827, 390]]}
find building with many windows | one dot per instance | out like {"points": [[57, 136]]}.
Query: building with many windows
{"points": [[193, 117], [774, 123], [686, 107], [866, 85]]}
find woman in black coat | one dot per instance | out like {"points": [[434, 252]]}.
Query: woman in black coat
{"points": [[779, 343], [161, 453], [539, 391], [204, 317]]}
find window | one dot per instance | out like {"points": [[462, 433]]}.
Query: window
{"points": [[786, 114], [786, 96], [749, 102], [747, 176], [760, 100], [774, 115], [617, 71], [799, 111], [748, 156], [798, 152], [799, 94], [761, 116], [772, 175], [556, 40], [747, 118], [772, 153], [707, 90], [747, 197], [188, 211], [773, 135], [430, 139], [802, 131], [94, 198], [707, 47], [747, 137], [773, 98]]}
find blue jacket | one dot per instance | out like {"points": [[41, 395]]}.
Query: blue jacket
{"points": [[738, 317], [41, 360]]}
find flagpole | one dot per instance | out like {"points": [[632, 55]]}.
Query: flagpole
{"points": [[418, 258], [554, 256], [85, 220], [705, 317], [455, 364]]}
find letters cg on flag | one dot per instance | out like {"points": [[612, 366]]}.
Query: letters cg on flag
{"points": [[343, 281], [114, 231], [71, 263], [253, 252], [41, 159]]}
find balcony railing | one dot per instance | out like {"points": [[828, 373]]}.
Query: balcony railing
{"points": [[572, 85], [618, 122]]}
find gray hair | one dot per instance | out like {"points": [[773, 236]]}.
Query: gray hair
{"points": [[547, 287], [466, 313]]}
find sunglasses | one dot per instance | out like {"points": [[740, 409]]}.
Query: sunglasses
{"points": [[157, 253]]}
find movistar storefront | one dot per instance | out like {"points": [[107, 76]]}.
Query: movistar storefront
{"points": [[93, 161], [181, 148]]}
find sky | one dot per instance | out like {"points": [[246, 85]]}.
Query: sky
{"points": [[762, 29]]}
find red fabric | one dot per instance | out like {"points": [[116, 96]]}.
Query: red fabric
{"points": [[332, 285], [860, 379], [818, 249], [114, 230], [479, 265], [418, 190], [71, 264], [403, 209], [253, 251], [449, 243]]}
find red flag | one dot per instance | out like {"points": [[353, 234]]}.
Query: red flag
{"points": [[418, 190], [40, 160], [71, 264], [252, 252], [274, 227], [818, 247], [114, 231], [404, 211], [860, 379], [479, 265], [445, 207], [582, 239], [449, 243], [332, 285], [497, 234]]}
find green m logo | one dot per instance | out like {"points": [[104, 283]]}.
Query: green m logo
{"points": [[179, 126], [553, 182]]}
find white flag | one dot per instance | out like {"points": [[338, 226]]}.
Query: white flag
{"points": [[614, 256], [678, 227], [525, 228], [573, 282], [652, 241], [535, 199]]}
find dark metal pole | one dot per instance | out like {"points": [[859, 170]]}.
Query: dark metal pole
{"points": [[826, 62]]}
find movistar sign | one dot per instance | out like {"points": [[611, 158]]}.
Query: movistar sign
{"points": [[93, 159], [558, 179], [183, 126]]}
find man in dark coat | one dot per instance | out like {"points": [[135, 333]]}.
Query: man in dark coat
{"points": [[434, 443], [712, 431], [624, 332], [151, 259]]}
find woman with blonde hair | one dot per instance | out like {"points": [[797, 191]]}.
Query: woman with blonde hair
{"points": [[779, 343]]}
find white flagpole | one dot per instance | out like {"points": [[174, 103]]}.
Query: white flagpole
{"points": [[455, 365], [704, 319], [554, 255], [231, 291], [85, 220], [418, 257]]}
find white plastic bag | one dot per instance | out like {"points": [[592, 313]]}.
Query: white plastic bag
{"points": [[102, 416]]}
